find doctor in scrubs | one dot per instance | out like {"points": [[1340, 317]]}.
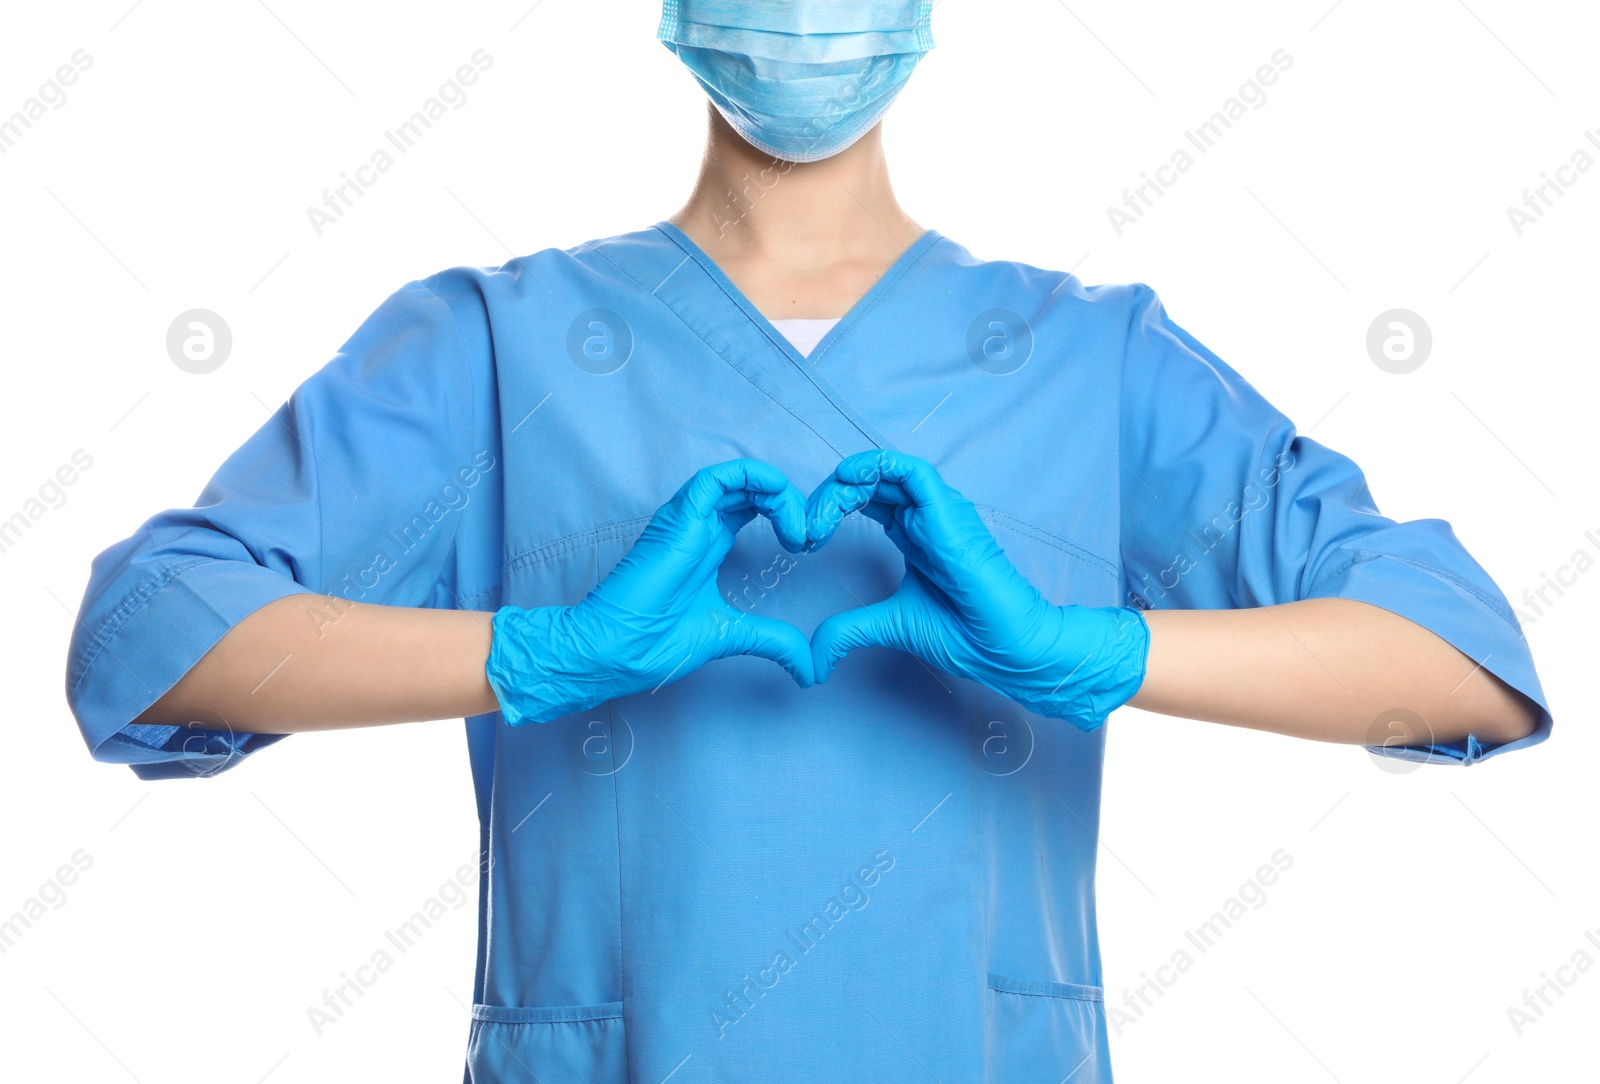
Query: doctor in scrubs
{"points": [[787, 559]]}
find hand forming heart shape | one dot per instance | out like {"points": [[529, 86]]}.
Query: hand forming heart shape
{"points": [[962, 605]]}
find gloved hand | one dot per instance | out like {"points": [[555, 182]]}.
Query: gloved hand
{"points": [[658, 615], [963, 606]]}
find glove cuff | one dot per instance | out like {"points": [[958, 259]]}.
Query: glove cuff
{"points": [[522, 650], [1094, 683]]}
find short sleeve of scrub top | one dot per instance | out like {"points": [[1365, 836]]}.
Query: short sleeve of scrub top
{"points": [[354, 488], [1225, 505]]}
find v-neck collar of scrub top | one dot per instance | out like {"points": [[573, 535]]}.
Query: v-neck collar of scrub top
{"points": [[738, 332]]}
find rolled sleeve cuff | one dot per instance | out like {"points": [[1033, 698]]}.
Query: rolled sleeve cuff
{"points": [[131, 657], [1476, 623]]}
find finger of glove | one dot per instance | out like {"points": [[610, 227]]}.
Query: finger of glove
{"points": [[870, 626], [767, 638], [738, 519], [785, 511], [938, 529], [748, 483], [829, 505], [880, 513], [833, 501], [898, 478], [885, 515], [878, 482], [954, 550]]}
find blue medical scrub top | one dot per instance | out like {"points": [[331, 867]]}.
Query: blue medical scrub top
{"points": [[733, 878]]}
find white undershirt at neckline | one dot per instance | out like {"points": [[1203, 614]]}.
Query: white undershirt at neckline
{"points": [[805, 334]]}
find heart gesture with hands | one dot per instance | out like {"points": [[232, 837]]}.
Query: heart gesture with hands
{"points": [[962, 606]]}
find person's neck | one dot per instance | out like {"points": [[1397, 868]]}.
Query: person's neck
{"points": [[800, 240]]}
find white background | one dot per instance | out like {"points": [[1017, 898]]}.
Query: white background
{"points": [[1419, 906]]}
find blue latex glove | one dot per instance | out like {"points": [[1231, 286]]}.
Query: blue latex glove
{"points": [[963, 606], [658, 615]]}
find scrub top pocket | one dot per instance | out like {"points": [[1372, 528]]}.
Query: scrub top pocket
{"points": [[553, 1045], [1046, 1032]]}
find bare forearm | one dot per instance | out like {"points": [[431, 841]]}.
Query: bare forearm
{"points": [[1324, 669], [309, 662]]}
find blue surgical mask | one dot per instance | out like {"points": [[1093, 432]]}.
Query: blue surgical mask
{"points": [[800, 79]]}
